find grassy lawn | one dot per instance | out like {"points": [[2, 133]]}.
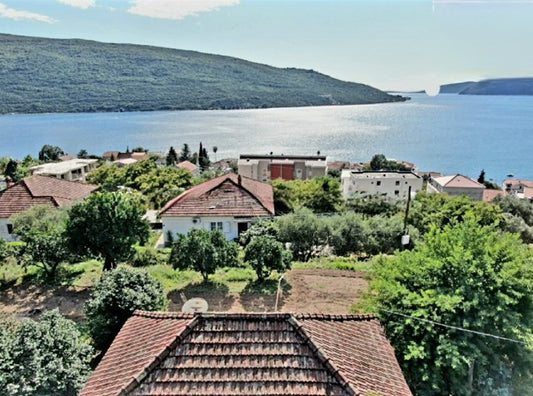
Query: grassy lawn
{"points": [[335, 263]]}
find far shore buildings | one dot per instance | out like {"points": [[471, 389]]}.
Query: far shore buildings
{"points": [[389, 184], [286, 167], [75, 169], [522, 189], [455, 185], [229, 203], [38, 190]]}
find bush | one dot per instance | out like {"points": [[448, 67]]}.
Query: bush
{"points": [[348, 234], [146, 256], [266, 227], [115, 297], [3, 250], [265, 254], [44, 358]]}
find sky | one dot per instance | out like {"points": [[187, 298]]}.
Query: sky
{"points": [[393, 45]]}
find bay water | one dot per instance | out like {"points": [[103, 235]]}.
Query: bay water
{"points": [[446, 133]]}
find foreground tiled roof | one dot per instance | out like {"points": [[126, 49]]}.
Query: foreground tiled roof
{"points": [[248, 354], [41, 190], [227, 195]]}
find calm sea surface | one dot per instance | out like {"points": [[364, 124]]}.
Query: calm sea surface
{"points": [[447, 133]]}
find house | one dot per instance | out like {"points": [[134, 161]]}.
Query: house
{"points": [[286, 167], [71, 170], [157, 353], [229, 203], [188, 165], [38, 190], [522, 189], [389, 184], [456, 185], [490, 195]]}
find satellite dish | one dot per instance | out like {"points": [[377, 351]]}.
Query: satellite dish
{"points": [[193, 305]]}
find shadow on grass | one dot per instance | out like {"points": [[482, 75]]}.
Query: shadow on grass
{"points": [[216, 294], [261, 296]]}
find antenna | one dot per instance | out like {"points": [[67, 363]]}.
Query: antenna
{"points": [[193, 305]]}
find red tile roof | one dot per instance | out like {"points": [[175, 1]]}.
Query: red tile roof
{"points": [[188, 165], [514, 182], [248, 354], [41, 190], [458, 181], [490, 194], [227, 195]]}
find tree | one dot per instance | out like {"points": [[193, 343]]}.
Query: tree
{"points": [[162, 184], [378, 162], [348, 234], [42, 228], [469, 276], [203, 251], [481, 178], [47, 358], [265, 254], [215, 149], [107, 225], [83, 154], [50, 153], [321, 194], [172, 157], [10, 169], [114, 299], [185, 153], [306, 233]]}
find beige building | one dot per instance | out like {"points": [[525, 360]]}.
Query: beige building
{"points": [[390, 184], [71, 170], [286, 167], [456, 185], [522, 189]]}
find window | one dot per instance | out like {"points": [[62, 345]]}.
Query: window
{"points": [[10, 228], [396, 192], [216, 225], [397, 182], [378, 183]]}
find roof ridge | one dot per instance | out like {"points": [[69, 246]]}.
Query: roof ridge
{"points": [[251, 194], [247, 315]]}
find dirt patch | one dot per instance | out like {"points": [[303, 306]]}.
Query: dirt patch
{"points": [[327, 291], [306, 291]]}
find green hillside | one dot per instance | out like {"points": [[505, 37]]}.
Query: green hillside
{"points": [[51, 75]]}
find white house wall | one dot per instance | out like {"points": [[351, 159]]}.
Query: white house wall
{"points": [[182, 225], [4, 234]]}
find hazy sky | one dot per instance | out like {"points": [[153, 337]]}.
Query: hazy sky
{"points": [[389, 44]]}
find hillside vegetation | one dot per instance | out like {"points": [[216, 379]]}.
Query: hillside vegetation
{"points": [[52, 75]]}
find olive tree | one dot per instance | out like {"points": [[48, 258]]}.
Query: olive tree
{"points": [[203, 251], [265, 254]]}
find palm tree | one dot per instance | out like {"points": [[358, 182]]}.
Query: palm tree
{"points": [[215, 149]]}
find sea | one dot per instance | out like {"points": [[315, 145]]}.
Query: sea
{"points": [[446, 133]]}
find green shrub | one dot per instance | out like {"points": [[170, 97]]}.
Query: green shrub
{"points": [[48, 357], [146, 256], [265, 254], [115, 297]]}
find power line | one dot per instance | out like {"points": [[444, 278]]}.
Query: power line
{"points": [[454, 327]]}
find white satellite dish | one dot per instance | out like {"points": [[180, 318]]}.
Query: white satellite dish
{"points": [[193, 305]]}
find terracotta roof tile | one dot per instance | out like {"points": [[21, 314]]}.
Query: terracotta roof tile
{"points": [[41, 190], [224, 196], [248, 354], [458, 181]]}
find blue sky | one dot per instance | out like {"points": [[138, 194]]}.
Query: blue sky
{"points": [[389, 44]]}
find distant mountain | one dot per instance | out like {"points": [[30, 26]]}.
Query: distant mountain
{"points": [[456, 87], [51, 75], [500, 86]]}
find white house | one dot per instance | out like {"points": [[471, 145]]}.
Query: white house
{"points": [[522, 189], [71, 170], [456, 185], [389, 184], [229, 203]]}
